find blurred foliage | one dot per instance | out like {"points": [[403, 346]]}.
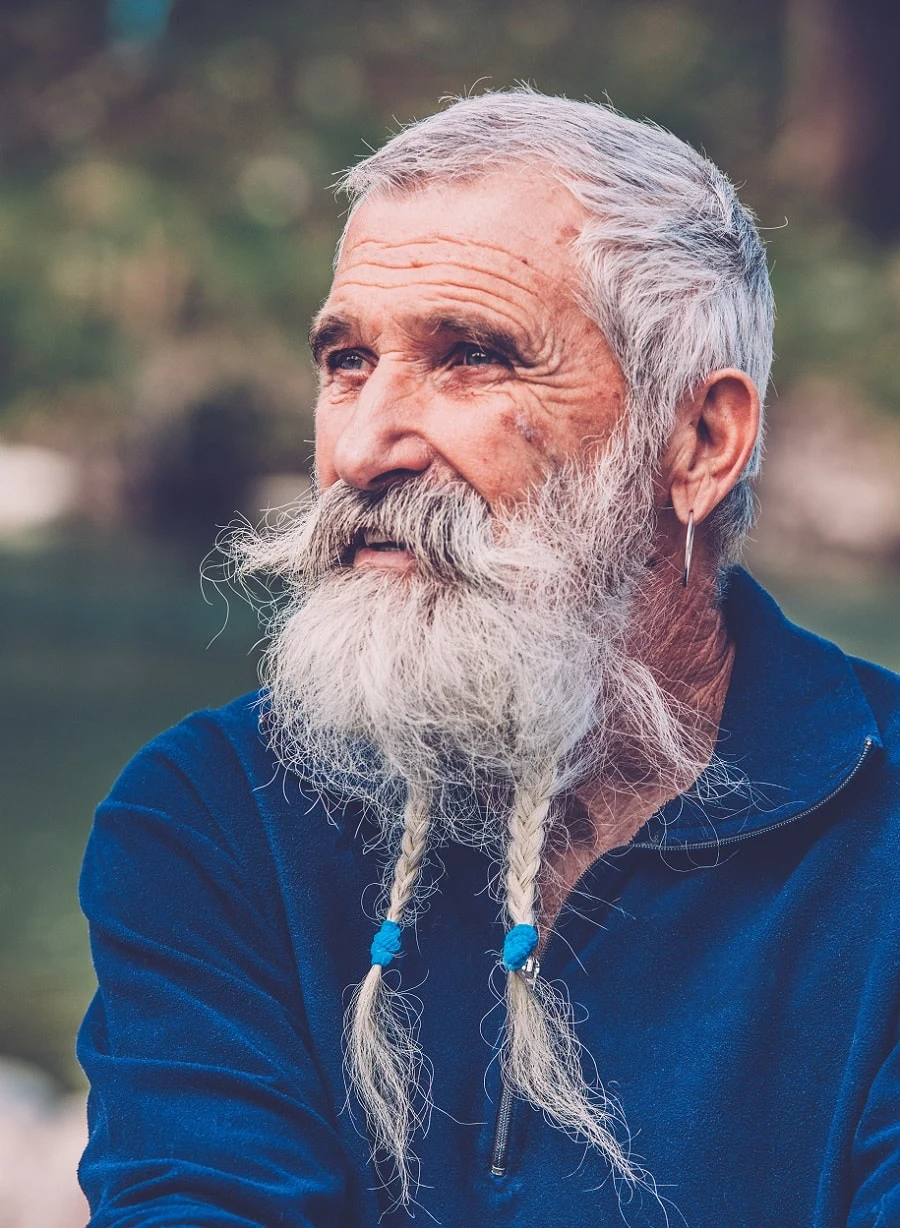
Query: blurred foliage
{"points": [[165, 190]]}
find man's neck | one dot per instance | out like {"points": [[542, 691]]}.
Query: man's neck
{"points": [[685, 643]]}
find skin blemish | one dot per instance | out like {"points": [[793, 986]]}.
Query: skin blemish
{"points": [[519, 422]]}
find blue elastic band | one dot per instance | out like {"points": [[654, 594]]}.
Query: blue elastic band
{"points": [[386, 943], [518, 946]]}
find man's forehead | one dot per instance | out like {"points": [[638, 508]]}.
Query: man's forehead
{"points": [[491, 259], [517, 215]]}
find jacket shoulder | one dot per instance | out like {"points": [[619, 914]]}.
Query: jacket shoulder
{"points": [[216, 771], [209, 746], [212, 772], [881, 688]]}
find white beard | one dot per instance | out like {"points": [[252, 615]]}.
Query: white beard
{"points": [[461, 700], [506, 646]]}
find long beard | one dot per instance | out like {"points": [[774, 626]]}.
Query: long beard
{"points": [[507, 645], [461, 699]]}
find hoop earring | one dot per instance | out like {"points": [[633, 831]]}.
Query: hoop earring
{"points": [[688, 550]]}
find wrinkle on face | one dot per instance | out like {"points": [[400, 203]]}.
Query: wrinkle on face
{"points": [[423, 271]]}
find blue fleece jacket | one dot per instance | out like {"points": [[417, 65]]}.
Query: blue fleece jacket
{"points": [[734, 969]]}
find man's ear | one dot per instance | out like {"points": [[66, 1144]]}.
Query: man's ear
{"points": [[716, 428]]}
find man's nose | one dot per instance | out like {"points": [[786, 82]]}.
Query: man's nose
{"points": [[380, 443]]}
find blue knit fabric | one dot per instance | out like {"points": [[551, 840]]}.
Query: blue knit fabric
{"points": [[386, 943], [519, 944]]}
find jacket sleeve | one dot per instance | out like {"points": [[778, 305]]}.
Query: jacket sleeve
{"points": [[876, 1152], [206, 1105]]}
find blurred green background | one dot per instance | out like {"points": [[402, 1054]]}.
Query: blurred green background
{"points": [[166, 230]]}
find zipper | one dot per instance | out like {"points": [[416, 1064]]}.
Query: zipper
{"points": [[500, 1147], [748, 835]]}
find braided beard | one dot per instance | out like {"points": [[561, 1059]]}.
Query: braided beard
{"points": [[499, 668]]}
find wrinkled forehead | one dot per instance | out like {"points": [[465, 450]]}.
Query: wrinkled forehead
{"points": [[511, 220]]}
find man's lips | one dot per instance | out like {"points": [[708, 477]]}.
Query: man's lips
{"points": [[373, 549]]}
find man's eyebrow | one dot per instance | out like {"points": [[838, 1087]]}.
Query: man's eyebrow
{"points": [[517, 348], [333, 330], [326, 331]]}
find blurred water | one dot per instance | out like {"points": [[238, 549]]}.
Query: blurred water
{"points": [[104, 644]]}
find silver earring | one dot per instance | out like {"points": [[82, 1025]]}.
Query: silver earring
{"points": [[688, 550]]}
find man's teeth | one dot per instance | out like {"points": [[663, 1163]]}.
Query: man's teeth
{"points": [[377, 541]]}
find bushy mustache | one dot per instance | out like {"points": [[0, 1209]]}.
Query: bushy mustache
{"points": [[435, 524], [447, 527]]}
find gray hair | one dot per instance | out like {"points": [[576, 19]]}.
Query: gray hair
{"points": [[674, 271]]}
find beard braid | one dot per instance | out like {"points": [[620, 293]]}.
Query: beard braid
{"points": [[498, 670]]}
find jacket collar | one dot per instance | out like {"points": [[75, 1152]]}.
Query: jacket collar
{"points": [[795, 726]]}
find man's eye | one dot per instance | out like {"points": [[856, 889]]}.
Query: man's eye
{"points": [[345, 360], [479, 356]]}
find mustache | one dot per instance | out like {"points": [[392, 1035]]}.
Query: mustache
{"points": [[447, 528], [547, 540]]}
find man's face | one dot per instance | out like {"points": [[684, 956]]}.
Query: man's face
{"points": [[472, 435], [452, 344]]}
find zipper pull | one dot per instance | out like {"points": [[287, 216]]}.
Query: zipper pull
{"points": [[530, 971]]}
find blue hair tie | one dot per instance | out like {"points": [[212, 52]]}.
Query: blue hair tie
{"points": [[519, 945], [386, 943]]}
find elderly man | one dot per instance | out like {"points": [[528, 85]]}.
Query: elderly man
{"points": [[616, 843]]}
